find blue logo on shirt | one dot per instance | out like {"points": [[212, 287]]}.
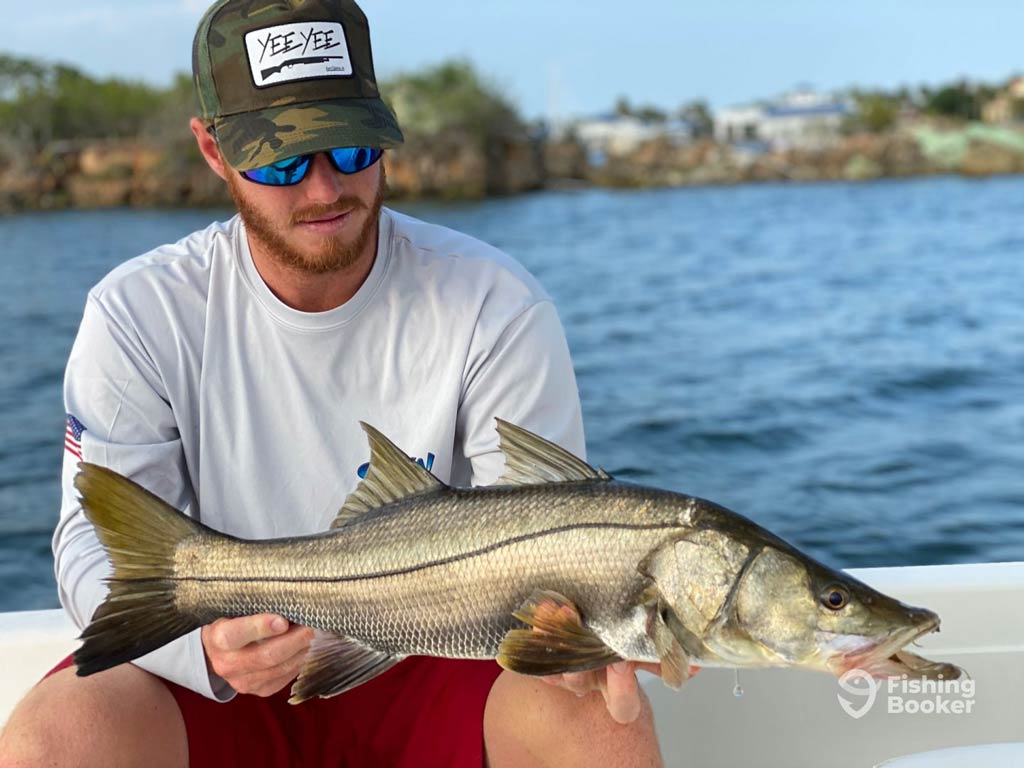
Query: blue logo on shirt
{"points": [[364, 468]]}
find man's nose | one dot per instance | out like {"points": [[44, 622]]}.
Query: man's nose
{"points": [[323, 183]]}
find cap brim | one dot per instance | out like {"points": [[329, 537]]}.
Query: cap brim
{"points": [[254, 139]]}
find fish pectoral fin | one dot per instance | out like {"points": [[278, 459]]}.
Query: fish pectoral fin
{"points": [[532, 460], [558, 641], [662, 612], [675, 663], [336, 664]]}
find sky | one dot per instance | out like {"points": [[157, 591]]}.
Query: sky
{"points": [[565, 58]]}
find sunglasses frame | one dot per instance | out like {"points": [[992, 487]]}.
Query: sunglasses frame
{"points": [[375, 152]]}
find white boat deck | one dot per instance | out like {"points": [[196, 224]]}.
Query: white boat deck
{"points": [[784, 718]]}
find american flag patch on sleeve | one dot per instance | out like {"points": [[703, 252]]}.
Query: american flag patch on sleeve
{"points": [[73, 437]]}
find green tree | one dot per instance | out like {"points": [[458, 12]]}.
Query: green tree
{"points": [[25, 114], [650, 114], [876, 112], [19, 76], [957, 100], [168, 121], [40, 103], [451, 97], [698, 115], [1017, 109]]}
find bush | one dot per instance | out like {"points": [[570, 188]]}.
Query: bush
{"points": [[876, 112], [451, 98], [41, 103]]}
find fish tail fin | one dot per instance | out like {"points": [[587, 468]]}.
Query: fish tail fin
{"points": [[140, 533]]}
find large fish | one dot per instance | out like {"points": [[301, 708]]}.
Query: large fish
{"points": [[556, 568]]}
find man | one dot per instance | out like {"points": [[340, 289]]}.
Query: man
{"points": [[228, 372]]}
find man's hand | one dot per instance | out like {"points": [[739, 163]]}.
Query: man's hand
{"points": [[256, 654], [617, 683]]}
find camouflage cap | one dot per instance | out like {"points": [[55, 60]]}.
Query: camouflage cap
{"points": [[280, 78]]}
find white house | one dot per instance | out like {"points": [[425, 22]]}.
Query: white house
{"points": [[801, 119], [1004, 107], [614, 134]]}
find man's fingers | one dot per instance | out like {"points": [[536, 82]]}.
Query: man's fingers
{"points": [[262, 667], [580, 683], [263, 655], [233, 634], [621, 693], [269, 681], [275, 651], [653, 667]]}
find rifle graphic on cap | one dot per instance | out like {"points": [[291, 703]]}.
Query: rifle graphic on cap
{"points": [[292, 62]]}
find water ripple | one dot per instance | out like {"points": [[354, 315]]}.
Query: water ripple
{"points": [[841, 363], [934, 380]]}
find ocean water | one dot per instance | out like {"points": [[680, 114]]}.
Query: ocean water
{"points": [[843, 363]]}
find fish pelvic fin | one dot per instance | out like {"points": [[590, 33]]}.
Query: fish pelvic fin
{"points": [[392, 476], [532, 460], [558, 641], [335, 664], [140, 533]]}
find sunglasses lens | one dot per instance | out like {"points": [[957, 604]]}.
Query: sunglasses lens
{"points": [[354, 159], [293, 170], [280, 174]]}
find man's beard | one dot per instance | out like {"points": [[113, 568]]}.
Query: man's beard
{"points": [[336, 254]]}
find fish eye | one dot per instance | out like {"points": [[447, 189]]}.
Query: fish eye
{"points": [[835, 597]]}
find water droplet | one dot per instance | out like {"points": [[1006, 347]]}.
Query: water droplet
{"points": [[737, 690]]}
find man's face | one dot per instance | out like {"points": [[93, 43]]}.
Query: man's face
{"points": [[325, 223]]}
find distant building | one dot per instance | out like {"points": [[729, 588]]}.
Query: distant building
{"points": [[614, 134], [801, 119], [1006, 107]]}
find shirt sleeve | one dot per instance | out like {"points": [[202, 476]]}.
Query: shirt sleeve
{"points": [[117, 404], [525, 377]]}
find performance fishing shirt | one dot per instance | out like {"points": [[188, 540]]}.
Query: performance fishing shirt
{"points": [[189, 376]]}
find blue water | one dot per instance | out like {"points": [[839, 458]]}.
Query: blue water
{"points": [[842, 363]]}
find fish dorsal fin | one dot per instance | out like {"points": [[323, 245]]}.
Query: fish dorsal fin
{"points": [[392, 476], [532, 460]]}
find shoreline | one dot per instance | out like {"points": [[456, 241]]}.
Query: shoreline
{"points": [[108, 173], [556, 186]]}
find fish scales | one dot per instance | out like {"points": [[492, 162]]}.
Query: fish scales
{"points": [[442, 574]]}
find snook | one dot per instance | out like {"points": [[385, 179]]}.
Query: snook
{"points": [[605, 570]]}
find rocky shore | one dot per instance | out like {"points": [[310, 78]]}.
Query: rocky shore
{"points": [[105, 173]]}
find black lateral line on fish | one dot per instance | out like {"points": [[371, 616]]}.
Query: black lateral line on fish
{"points": [[432, 563]]}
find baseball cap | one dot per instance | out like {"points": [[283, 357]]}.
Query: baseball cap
{"points": [[280, 78]]}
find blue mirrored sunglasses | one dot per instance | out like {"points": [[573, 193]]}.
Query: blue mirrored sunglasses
{"points": [[292, 170]]}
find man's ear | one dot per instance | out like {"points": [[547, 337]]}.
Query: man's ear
{"points": [[208, 146]]}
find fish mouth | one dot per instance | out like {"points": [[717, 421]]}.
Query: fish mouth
{"points": [[887, 657]]}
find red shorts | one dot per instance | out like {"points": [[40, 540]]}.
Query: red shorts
{"points": [[421, 712]]}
